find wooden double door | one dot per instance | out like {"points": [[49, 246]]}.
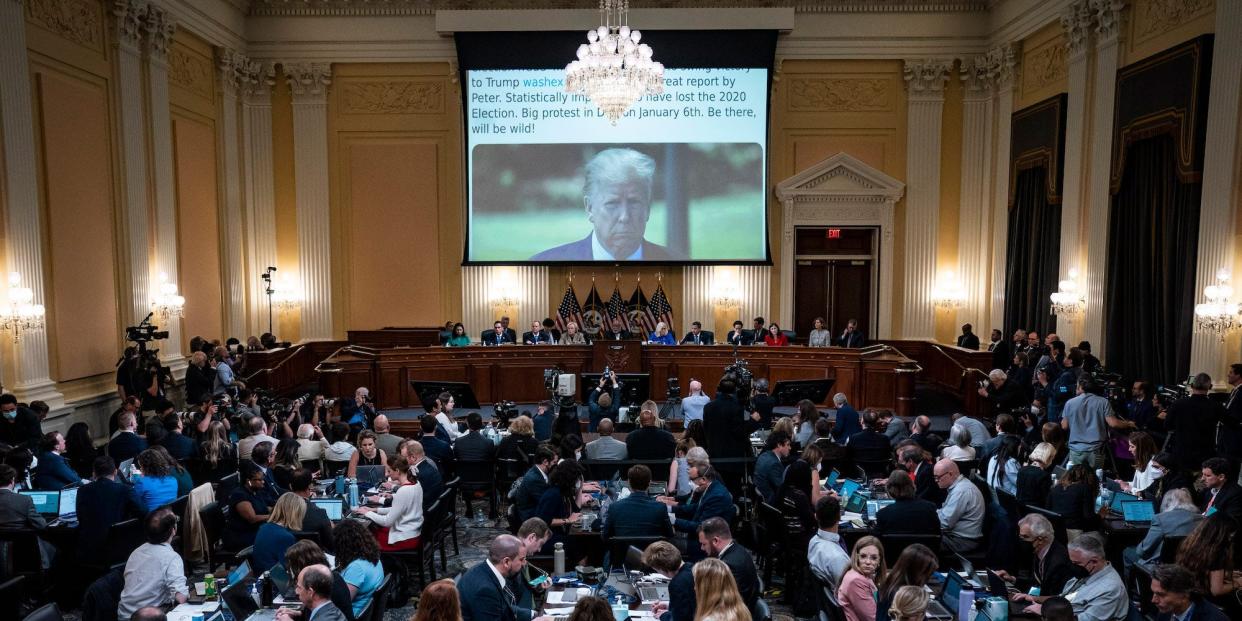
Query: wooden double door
{"points": [[834, 276]]}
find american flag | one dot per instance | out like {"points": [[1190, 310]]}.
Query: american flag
{"points": [[569, 309], [593, 314], [616, 311], [637, 312], [659, 309]]}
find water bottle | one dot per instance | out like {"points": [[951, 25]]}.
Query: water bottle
{"points": [[353, 493], [558, 559], [966, 603], [479, 520], [340, 485]]}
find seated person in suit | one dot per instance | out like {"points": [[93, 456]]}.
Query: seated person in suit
{"points": [[249, 507], [314, 519], [664, 559], [424, 470], [315, 586], [484, 592], [1177, 518], [437, 448], [537, 335], [774, 337], [1175, 593], [498, 336], [638, 515], [181, 448], [770, 465], [617, 196], [649, 441], [606, 447], [102, 503], [968, 339], [53, 471], [1221, 492], [572, 335], [714, 500], [908, 515], [737, 336], [1050, 563], [530, 600], [696, 335], [870, 443], [852, 336], [533, 484], [716, 541], [126, 444], [473, 446], [661, 335]]}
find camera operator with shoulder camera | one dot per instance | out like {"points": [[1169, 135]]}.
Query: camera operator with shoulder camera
{"points": [[225, 379], [604, 400]]}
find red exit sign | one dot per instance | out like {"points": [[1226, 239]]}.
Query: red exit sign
{"points": [[834, 233]]}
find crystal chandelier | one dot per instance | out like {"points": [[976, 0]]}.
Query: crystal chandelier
{"points": [[167, 303], [1220, 314], [948, 292], [613, 69], [285, 296], [1067, 300], [19, 311]]}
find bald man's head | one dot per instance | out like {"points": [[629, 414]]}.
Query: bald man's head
{"points": [[507, 555], [696, 387], [605, 427], [946, 473], [381, 424]]}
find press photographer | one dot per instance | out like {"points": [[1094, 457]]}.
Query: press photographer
{"points": [[139, 372], [225, 380], [604, 400]]}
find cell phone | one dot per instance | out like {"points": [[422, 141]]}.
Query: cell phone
{"points": [[538, 581]]}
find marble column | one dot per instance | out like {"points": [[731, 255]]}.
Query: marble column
{"points": [[1221, 182], [23, 250], [1003, 58], [159, 28], [1076, 20], [978, 79], [925, 79], [309, 84], [257, 82], [1108, 29], [232, 66], [136, 231]]}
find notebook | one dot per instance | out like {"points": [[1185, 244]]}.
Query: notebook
{"points": [[46, 503]]}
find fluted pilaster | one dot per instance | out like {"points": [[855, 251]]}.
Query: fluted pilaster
{"points": [[256, 83], [1108, 19], [159, 28], [1218, 209], [28, 377], [978, 77], [128, 19], [1006, 62], [527, 285], [1076, 20], [309, 83], [925, 79], [232, 67]]}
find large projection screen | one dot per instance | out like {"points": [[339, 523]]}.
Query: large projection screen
{"points": [[680, 178]]}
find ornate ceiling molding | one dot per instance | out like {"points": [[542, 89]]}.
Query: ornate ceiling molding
{"points": [[927, 75], [308, 80], [159, 26], [371, 8]]}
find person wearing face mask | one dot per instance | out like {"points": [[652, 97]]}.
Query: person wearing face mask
{"points": [[19, 426], [1168, 477], [1050, 561], [559, 506], [1096, 592], [1177, 518]]}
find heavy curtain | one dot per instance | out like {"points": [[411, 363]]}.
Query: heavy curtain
{"points": [[1032, 259], [1153, 240]]}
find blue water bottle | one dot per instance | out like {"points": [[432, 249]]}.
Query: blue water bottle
{"points": [[353, 493]]}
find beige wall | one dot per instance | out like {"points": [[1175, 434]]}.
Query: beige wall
{"points": [[286, 324]]}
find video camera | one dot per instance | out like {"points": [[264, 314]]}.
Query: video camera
{"points": [[505, 411], [148, 360]]}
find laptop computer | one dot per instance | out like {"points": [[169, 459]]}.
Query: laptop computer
{"points": [[951, 591], [831, 480], [848, 487], [646, 593], [240, 573], [125, 468], [370, 476], [46, 503], [1137, 511], [282, 583], [1114, 505], [856, 504], [334, 507], [236, 598]]}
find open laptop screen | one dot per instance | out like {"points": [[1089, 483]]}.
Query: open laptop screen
{"points": [[334, 507], [1137, 510], [68, 502], [45, 502]]}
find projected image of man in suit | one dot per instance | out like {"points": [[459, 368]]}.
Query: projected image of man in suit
{"points": [[617, 198]]}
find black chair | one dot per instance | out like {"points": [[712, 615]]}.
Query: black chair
{"points": [[102, 597], [618, 547], [333, 468], [312, 465], [1169, 547], [19, 553], [123, 539], [212, 517], [49, 612], [405, 564], [226, 485], [1058, 521], [478, 480], [508, 470], [967, 466], [10, 598], [895, 543], [307, 535], [378, 606]]}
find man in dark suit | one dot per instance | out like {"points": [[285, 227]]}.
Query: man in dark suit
{"points": [[698, 336], [53, 471], [761, 406], [126, 444], [617, 197], [1000, 350], [485, 594], [869, 443], [537, 335], [1193, 423], [638, 515], [663, 558], [908, 515], [510, 333], [737, 336], [179, 446], [717, 541], [424, 469], [316, 519], [1231, 435], [102, 503], [534, 483], [714, 501], [498, 336], [1221, 492], [770, 465], [649, 441], [316, 596], [436, 448], [1051, 565], [1175, 592], [968, 339], [911, 459], [533, 534], [473, 446], [852, 336], [848, 421], [19, 426]]}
